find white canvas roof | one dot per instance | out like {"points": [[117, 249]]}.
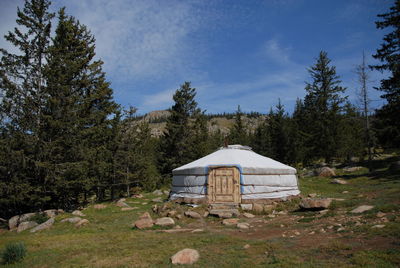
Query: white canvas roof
{"points": [[242, 157]]}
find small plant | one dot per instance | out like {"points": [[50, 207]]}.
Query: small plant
{"points": [[13, 252], [39, 218]]}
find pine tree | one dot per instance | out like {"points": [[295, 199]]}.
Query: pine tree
{"points": [[77, 123], [22, 85], [238, 132], [297, 135], [175, 146], [322, 105], [350, 131], [278, 131], [389, 55]]}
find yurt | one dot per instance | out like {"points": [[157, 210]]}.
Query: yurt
{"points": [[233, 174]]}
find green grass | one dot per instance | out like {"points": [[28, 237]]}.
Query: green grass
{"points": [[110, 241]]}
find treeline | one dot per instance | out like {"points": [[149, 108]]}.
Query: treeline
{"points": [[64, 141]]}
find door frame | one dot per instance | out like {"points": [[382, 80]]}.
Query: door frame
{"points": [[210, 190]]}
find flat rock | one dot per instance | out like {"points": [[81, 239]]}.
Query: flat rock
{"points": [[26, 225], [165, 221], [338, 181], [315, 204], [246, 207], [380, 214], [137, 196], [312, 195], [46, 225], [197, 231], [185, 256], [157, 200], [192, 214], [157, 192], [224, 213], [127, 209], [81, 223], [72, 220], [78, 213], [248, 215], [243, 225], [378, 226], [352, 169], [230, 222], [247, 246], [99, 206], [362, 209]]}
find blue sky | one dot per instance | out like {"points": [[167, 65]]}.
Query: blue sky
{"points": [[247, 53]]}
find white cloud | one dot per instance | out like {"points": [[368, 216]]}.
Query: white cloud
{"points": [[163, 98], [273, 50], [139, 39]]}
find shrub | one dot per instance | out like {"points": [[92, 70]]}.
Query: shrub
{"points": [[13, 252], [39, 218]]}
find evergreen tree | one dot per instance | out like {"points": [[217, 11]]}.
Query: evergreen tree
{"points": [[278, 131], [238, 133], [322, 105], [77, 127], [389, 55], [297, 135], [350, 131], [22, 84], [175, 146]]}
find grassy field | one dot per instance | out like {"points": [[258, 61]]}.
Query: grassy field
{"points": [[287, 239]]}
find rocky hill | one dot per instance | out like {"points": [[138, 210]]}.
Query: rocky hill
{"points": [[223, 122]]}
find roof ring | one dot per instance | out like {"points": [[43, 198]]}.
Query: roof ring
{"points": [[237, 147]]}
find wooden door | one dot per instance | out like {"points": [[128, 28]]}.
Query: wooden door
{"points": [[224, 185]]}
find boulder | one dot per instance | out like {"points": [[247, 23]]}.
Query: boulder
{"points": [[247, 246], [78, 213], [248, 215], [380, 214], [72, 220], [99, 206], [13, 222], [46, 225], [157, 192], [81, 223], [192, 214], [166, 192], [246, 206], [51, 213], [230, 222], [121, 203], [26, 225], [338, 181], [25, 217], [185, 256], [258, 208], [243, 225], [315, 204], [206, 213], [325, 172], [362, 209], [165, 221], [172, 213], [145, 221], [312, 195]]}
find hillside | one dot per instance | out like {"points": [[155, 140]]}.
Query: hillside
{"points": [[216, 122], [284, 236]]}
